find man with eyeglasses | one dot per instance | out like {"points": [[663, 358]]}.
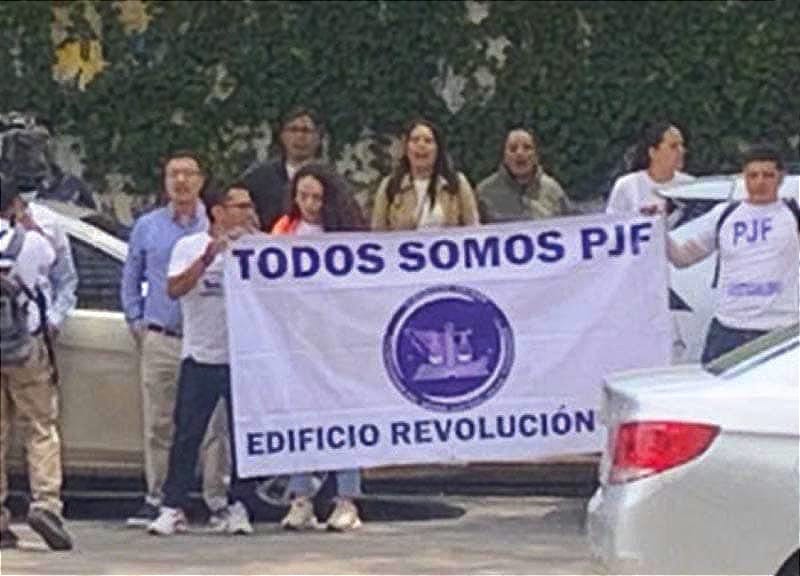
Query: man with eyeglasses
{"points": [[196, 278], [155, 323], [300, 141]]}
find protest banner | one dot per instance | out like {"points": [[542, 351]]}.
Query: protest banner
{"points": [[464, 344]]}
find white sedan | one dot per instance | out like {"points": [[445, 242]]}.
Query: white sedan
{"points": [[700, 472]]}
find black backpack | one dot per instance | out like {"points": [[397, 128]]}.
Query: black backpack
{"points": [[791, 204]]}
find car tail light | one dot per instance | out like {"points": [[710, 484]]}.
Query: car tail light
{"points": [[642, 449]]}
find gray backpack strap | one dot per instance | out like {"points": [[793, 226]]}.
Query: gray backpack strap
{"points": [[722, 217]]}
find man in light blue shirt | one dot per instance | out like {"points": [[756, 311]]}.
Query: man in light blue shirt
{"points": [[149, 248], [155, 323]]}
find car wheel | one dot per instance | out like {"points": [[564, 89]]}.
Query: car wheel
{"points": [[792, 566]]}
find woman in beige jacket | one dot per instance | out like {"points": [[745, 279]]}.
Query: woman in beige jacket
{"points": [[424, 191]]}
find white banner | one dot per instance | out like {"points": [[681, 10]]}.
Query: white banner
{"points": [[490, 343]]}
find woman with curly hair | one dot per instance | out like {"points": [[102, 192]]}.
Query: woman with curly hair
{"points": [[317, 204]]}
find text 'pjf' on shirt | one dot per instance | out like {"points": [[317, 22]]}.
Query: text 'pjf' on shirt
{"points": [[759, 250]]}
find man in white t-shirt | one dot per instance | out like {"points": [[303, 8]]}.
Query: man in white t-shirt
{"points": [[195, 276], [759, 248], [26, 374]]}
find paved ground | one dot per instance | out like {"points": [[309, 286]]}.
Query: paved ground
{"points": [[464, 535]]}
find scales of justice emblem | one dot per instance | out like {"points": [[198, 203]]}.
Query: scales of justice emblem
{"points": [[448, 348], [449, 354]]}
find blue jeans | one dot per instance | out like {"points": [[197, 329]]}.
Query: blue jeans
{"points": [[200, 388], [722, 339], [348, 484]]}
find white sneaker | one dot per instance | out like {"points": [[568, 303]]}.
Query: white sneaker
{"points": [[300, 515], [344, 516], [239, 519], [169, 521], [232, 519]]}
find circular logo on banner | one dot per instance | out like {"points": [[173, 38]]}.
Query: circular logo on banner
{"points": [[448, 348]]}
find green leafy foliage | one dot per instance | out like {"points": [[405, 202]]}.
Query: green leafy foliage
{"points": [[584, 75]]}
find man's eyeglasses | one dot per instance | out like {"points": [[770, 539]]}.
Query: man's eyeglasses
{"points": [[188, 173], [239, 205], [300, 130]]}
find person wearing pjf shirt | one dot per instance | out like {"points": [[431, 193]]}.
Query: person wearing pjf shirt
{"points": [[758, 251], [155, 323], [196, 278]]}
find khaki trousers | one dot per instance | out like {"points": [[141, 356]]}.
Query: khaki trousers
{"points": [[160, 361], [29, 397]]}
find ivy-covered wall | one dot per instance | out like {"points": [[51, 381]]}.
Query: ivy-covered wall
{"points": [[124, 81]]}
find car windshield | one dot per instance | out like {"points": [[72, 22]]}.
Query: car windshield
{"points": [[751, 349], [108, 225]]}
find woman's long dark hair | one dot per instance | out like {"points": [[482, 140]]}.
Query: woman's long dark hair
{"points": [[337, 213], [441, 166], [652, 135]]}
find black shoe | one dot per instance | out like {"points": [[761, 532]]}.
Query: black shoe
{"points": [[50, 527], [8, 539], [144, 516]]}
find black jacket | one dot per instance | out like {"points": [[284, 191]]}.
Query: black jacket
{"points": [[268, 184]]}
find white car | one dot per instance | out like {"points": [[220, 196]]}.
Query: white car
{"points": [[692, 297], [700, 472]]}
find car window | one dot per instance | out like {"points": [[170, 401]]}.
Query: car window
{"points": [[780, 339], [98, 277]]}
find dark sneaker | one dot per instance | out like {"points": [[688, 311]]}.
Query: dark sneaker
{"points": [[145, 516], [8, 539], [50, 527]]}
